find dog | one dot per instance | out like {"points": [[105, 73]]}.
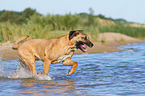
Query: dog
{"points": [[51, 51]]}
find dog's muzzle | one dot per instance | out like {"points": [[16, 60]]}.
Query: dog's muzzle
{"points": [[83, 45]]}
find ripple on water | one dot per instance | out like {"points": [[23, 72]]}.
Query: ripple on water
{"points": [[115, 73]]}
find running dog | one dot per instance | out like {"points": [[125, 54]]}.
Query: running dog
{"points": [[51, 51]]}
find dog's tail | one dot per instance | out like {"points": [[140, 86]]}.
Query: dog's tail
{"points": [[16, 46]]}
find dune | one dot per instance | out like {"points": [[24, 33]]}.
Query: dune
{"points": [[106, 43]]}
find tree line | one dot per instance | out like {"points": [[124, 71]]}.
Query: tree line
{"points": [[22, 17], [30, 22]]}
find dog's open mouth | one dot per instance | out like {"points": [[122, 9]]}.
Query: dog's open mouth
{"points": [[81, 46]]}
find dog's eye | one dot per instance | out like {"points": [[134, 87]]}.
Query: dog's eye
{"points": [[85, 38], [82, 37]]}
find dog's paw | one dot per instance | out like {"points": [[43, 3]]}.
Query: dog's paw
{"points": [[39, 74], [70, 72], [14, 77]]}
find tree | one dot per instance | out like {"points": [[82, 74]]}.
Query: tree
{"points": [[8, 16], [91, 17], [28, 12], [101, 16]]}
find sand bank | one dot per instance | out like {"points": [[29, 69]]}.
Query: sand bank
{"points": [[106, 43]]}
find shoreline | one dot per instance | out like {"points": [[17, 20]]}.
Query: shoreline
{"points": [[106, 43]]}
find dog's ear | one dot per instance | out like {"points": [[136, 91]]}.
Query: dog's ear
{"points": [[72, 34]]}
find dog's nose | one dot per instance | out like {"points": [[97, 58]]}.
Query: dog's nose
{"points": [[91, 44]]}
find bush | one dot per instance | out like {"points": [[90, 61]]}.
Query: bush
{"points": [[29, 22]]}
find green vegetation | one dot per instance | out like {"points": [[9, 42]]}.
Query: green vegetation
{"points": [[137, 32], [29, 22]]}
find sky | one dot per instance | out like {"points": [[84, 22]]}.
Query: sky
{"points": [[130, 10]]}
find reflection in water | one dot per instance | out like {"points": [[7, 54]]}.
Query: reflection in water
{"points": [[42, 88], [101, 74]]}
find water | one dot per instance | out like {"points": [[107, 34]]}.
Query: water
{"points": [[100, 74]]}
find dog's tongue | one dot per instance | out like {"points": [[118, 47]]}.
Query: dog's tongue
{"points": [[84, 47]]}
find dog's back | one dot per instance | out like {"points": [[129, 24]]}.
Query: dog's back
{"points": [[34, 46]]}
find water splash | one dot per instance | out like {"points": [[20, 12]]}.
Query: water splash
{"points": [[3, 74], [23, 73], [1, 65], [42, 77], [15, 73]]}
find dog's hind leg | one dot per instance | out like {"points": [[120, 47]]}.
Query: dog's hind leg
{"points": [[28, 60], [31, 64], [69, 62], [23, 67]]}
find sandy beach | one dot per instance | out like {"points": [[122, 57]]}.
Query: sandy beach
{"points": [[106, 43]]}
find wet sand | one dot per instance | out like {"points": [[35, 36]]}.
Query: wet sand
{"points": [[106, 43]]}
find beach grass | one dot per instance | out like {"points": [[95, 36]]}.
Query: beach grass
{"points": [[52, 26]]}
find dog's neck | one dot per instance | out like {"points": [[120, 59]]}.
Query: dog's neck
{"points": [[66, 44], [66, 41]]}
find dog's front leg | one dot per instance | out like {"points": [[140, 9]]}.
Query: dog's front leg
{"points": [[46, 66], [69, 62]]}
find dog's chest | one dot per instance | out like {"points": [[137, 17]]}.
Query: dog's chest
{"points": [[62, 58]]}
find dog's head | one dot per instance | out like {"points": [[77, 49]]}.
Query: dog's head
{"points": [[80, 39]]}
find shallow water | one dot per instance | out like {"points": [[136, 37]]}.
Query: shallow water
{"points": [[100, 74]]}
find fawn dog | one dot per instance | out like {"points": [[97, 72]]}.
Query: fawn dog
{"points": [[51, 51]]}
